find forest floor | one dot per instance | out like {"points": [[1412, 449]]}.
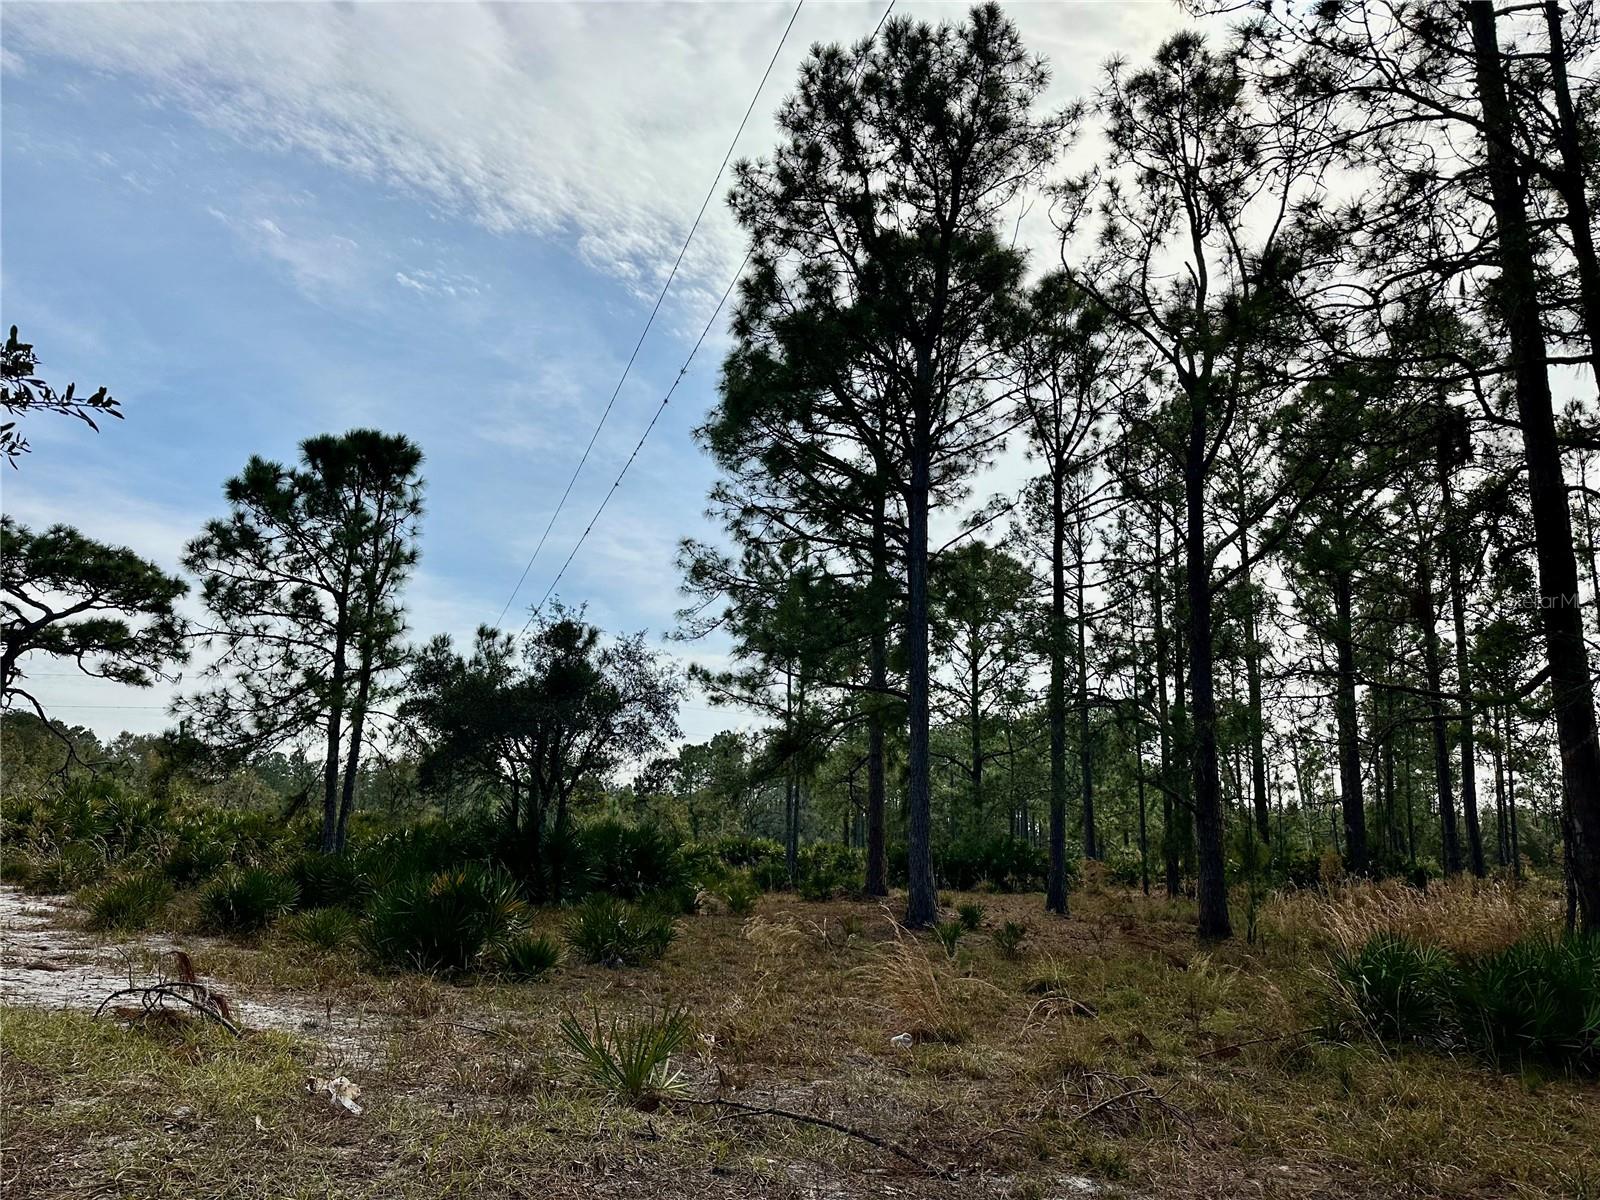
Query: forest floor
{"points": [[1113, 1057]]}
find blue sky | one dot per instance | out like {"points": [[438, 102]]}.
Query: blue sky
{"points": [[259, 222]]}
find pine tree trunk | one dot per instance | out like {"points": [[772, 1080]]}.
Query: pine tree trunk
{"points": [[329, 842], [1091, 838], [1574, 187], [1469, 772], [1252, 675], [1352, 801], [1450, 837], [922, 900], [878, 668], [1211, 885], [1055, 899], [1560, 609]]}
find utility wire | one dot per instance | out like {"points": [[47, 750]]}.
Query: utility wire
{"points": [[638, 446], [650, 320], [682, 371]]}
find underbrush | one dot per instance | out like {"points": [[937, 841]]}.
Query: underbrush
{"points": [[1536, 1001], [446, 923], [608, 932]]}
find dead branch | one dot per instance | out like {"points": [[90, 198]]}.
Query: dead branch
{"points": [[752, 1110]]}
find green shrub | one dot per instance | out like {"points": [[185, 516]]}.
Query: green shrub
{"points": [[445, 922], [1395, 989], [630, 1058], [325, 930], [629, 860], [1005, 864], [245, 900], [970, 915], [67, 869], [530, 956], [770, 875], [606, 931], [679, 900], [135, 901], [1535, 1001], [826, 869], [741, 894], [1009, 937], [743, 851], [328, 881]]}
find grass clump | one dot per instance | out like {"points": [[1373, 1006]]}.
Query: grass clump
{"points": [[949, 934], [245, 900], [970, 914], [529, 957], [323, 930], [630, 1058], [136, 901], [1008, 939], [446, 922], [741, 894], [608, 932]]}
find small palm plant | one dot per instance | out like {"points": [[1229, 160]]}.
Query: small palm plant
{"points": [[630, 1058]]}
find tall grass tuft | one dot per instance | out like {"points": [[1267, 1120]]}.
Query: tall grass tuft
{"points": [[323, 930], [1464, 916], [630, 1058]]}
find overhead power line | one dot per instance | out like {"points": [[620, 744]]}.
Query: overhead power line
{"points": [[650, 320], [682, 371]]}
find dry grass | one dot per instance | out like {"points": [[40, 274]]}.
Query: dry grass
{"points": [[1464, 915], [1157, 1068]]}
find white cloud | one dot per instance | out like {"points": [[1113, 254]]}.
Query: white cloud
{"points": [[596, 124]]}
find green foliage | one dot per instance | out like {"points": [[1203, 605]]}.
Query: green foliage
{"points": [[1395, 989], [609, 932], [98, 608], [136, 901], [245, 900], [770, 875], [743, 851], [529, 956], [741, 894], [826, 869], [630, 1058], [630, 860], [328, 880], [679, 900], [1008, 939], [324, 930], [949, 934], [1004, 863], [970, 915], [1537, 1001], [443, 923]]}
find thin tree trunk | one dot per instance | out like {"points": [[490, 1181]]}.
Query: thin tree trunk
{"points": [[1055, 899], [1169, 843], [1091, 838], [1252, 675], [1352, 801], [1560, 610], [329, 842], [1450, 836], [878, 667], [922, 900], [1574, 187]]}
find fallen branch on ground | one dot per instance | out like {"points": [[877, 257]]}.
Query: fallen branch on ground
{"points": [[752, 1110], [197, 996]]}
